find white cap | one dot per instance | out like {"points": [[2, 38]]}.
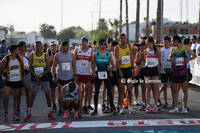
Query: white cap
{"points": [[53, 42]]}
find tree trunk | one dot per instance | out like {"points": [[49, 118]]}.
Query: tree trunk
{"points": [[120, 18], [127, 24], [147, 20], [159, 14], [137, 32]]}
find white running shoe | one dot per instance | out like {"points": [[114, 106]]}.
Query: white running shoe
{"points": [[122, 111], [174, 110], [184, 110]]}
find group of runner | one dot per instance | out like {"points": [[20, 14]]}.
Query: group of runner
{"points": [[110, 63]]}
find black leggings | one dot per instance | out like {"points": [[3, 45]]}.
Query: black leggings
{"points": [[107, 84]]}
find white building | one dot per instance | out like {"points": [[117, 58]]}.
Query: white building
{"points": [[132, 28]]}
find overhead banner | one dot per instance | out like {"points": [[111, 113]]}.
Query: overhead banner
{"points": [[195, 70]]}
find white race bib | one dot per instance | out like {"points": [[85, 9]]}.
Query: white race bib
{"points": [[102, 75], [151, 62], [38, 70], [179, 61], [14, 75], [66, 66], [84, 64], [125, 60], [166, 64]]}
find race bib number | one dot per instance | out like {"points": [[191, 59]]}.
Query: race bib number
{"points": [[125, 60], [102, 75], [14, 75], [38, 70], [152, 61], [66, 66], [167, 64], [179, 61], [84, 64]]}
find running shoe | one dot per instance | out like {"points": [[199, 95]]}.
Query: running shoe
{"points": [[90, 107], [131, 110], [54, 109], [185, 110], [60, 112], [136, 103], [94, 112], [103, 107], [85, 110], [122, 111], [142, 108], [174, 110], [118, 109], [148, 109], [50, 116], [6, 117], [165, 106], [28, 116], [76, 114], [66, 114], [18, 113], [15, 117], [155, 109], [107, 110]]}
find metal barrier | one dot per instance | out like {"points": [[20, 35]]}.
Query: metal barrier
{"points": [[195, 70]]}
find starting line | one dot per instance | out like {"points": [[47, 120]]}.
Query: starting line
{"points": [[96, 124]]}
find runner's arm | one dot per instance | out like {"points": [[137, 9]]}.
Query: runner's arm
{"points": [[117, 58], [3, 65], [93, 62], [30, 64], [55, 62], [111, 62], [48, 65], [74, 60]]}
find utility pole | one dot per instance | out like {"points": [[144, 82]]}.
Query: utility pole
{"points": [[187, 11], [181, 10], [100, 10], [199, 20], [61, 24]]}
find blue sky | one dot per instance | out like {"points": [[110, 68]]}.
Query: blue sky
{"points": [[27, 15]]}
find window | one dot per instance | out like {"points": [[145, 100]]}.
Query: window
{"points": [[172, 32], [184, 31]]}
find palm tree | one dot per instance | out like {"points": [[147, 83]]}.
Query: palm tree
{"points": [[137, 32], [127, 24], [159, 21], [147, 20], [120, 18], [115, 26]]}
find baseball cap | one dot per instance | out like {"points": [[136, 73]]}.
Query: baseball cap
{"points": [[53, 42], [84, 39]]}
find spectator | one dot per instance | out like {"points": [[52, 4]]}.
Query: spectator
{"points": [[3, 49]]}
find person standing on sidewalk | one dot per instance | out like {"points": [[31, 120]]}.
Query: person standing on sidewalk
{"points": [[124, 58], [102, 59], [83, 58], [152, 57], [39, 63], [179, 59], [64, 60], [12, 69], [165, 65]]}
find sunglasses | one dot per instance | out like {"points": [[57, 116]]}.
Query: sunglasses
{"points": [[103, 43]]}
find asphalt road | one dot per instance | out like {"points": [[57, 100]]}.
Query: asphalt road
{"points": [[40, 114]]}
